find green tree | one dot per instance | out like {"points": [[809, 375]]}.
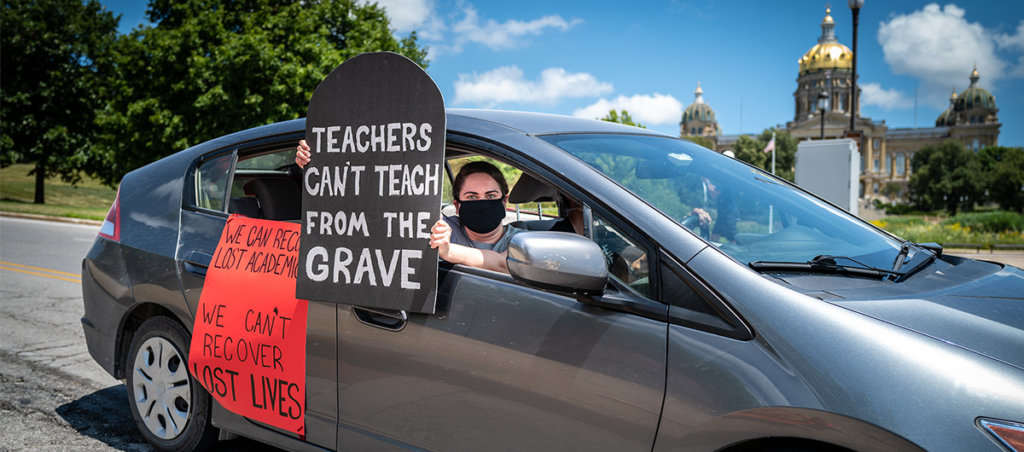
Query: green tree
{"points": [[751, 150], [700, 140], [211, 67], [946, 176], [621, 118], [1004, 171], [50, 83], [892, 189]]}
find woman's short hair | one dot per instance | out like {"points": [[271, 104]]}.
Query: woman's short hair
{"points": [[479, 167]]}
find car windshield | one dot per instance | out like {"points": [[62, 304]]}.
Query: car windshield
{"points": [[755, 217]]}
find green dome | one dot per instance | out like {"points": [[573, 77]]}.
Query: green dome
{"points": [[975, 96], [947, 118], [698, 112]]}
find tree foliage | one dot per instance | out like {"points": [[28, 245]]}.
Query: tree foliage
{"points": [[946, 176], [751, 150], [212, 67], [1004, 176], [622, 118], [51, 83], [700, 140]]}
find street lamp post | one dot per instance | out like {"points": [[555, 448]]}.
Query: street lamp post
{"points": [[822, 107], [823, 98], [855, 6]]}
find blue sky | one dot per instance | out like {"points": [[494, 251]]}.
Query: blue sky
{"points": [[585, 57]]}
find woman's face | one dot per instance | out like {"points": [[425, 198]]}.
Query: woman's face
{"points": [[479, 186]]}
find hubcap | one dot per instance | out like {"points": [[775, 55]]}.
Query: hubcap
{"points": [[163, 395]]}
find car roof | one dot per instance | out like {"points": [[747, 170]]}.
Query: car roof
{"points": [[540, 123], [470, 121], [482, 123]]}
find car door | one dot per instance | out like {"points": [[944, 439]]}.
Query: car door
{"points": [[213, 189], [502, 366]]}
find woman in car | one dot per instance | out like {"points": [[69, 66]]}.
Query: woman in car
{"points": [[480, 193]]}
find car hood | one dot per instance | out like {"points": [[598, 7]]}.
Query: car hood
{"points": [[983, 314]]}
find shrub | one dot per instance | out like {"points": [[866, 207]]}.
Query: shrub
{"points": [[996, 221]]}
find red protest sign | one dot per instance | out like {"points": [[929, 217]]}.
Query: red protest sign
{"points": [[249, 338]]}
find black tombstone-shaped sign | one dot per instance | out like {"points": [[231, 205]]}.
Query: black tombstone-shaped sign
{"points": [[376, 131]]}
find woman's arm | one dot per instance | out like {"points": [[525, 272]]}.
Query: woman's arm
{"points": [[440, 238]]}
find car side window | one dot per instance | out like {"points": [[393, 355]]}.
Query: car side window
{"points": [[266, 185], [626, 259], [212, 181]]}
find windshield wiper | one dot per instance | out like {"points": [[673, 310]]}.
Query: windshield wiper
{"points": [[934, 251], [924, 263], [825, 264], [902, 256]]}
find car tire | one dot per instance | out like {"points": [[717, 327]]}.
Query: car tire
{"points": [[170, 408]]}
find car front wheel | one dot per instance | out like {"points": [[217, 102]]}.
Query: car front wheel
{"points": [[170, 408]]}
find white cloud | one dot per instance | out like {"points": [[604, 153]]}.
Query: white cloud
{"points": [[507, 85], [505, 35], [889, 99], [647, 109], [423, 17], [410, 15], [1015, 41], [939, 46]]}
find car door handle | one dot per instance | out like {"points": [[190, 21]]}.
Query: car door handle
{"points": [[196, 262], [386, 319]]}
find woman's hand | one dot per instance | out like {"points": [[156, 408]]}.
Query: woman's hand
{"points": [[302, 154], [440, 238], [702, 215]]}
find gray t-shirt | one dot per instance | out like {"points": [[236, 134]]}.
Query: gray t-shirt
{"points": [[460, 237]]}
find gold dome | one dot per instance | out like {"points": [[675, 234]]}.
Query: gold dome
{"points": [[828, 53]]}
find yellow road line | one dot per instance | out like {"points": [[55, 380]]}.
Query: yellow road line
{"points": [[50, 273]]}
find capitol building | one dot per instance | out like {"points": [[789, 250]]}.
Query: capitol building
{"points": [[826, 71]]}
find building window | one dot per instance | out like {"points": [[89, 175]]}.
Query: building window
{"points": [[888, 163], [876, 166], [974, 145], [862, 158], [874, 187], [876, 144], [901, 164]]}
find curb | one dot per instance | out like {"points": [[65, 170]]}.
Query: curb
{"points": [[32, 216]]}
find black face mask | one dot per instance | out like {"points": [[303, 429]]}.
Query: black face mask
{"points": [[482, 215]]}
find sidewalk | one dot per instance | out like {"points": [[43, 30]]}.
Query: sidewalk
{"points": [[1007, 257], [32, 216]]}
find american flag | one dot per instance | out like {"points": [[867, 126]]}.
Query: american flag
{"points": [[771, 145]]}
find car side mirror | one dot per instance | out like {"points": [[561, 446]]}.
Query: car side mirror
{"points": [[558, 261]]}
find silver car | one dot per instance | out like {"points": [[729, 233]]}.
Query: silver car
{"points": [[784, 324]]}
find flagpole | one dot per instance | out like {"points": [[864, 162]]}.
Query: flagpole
{"points": [[771, 207]]}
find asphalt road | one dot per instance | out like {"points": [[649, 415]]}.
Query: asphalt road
{"points": [[53, 396]]}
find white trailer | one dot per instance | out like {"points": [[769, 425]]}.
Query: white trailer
{"points": [[831, 170]]}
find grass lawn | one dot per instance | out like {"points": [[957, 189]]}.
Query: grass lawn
{"points": [[88, 199]]}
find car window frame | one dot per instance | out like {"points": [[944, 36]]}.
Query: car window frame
{"points": [[591, 203], [238, 151], [735, 326], [189, 198]]}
